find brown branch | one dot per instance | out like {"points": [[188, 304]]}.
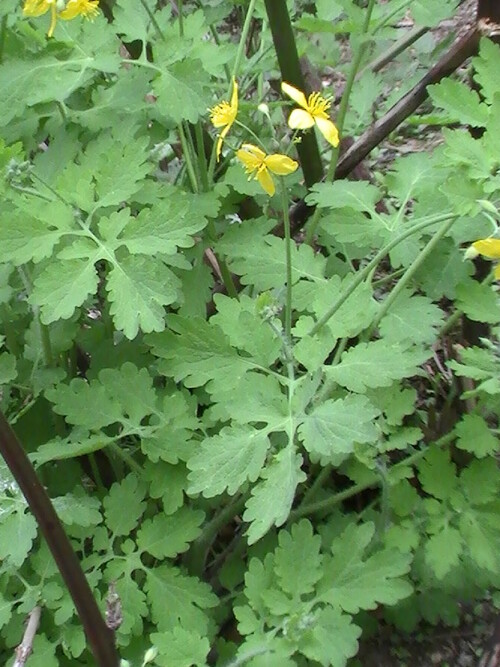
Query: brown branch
{"points": [[25, 648], [99, 636], [460, 50]]}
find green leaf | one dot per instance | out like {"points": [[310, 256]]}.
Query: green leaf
{"points": [[63, 286], [122, 395], [437, 474], [131, 20], [259, 398], [355, 583], [8, 370], [227, 460], [178, 600], [334, 427], [272, 498], [139, 288], [167, 536], [479, 482], [263, 262], [444, 268], [247, 331], [475, 436], [124, 505], [119, 163], [480, 533], [414, 318], [25, 83], [443, 551], [485, 68], [78, 509], [332, 639], [181, 91], [180, 648], [24, 237], [375, 364], [5, 611], [299, 545], [43, 652], [169, 225], [167, 482], [196, 352], [461, 102], [478, 301], [18, 529], [358, 195]]}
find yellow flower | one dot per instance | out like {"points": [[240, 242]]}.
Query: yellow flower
{"points": [[257, 162], [223, 115], [39, 7], [86, 8], [489, 248], [314, 112]]}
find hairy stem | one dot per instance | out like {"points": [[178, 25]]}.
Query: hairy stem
{"points": [[365, 272]]}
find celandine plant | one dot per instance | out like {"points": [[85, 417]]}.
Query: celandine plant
{"points": [[256, 430]]}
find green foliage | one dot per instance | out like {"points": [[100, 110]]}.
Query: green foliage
{"points": [[257, 440]]}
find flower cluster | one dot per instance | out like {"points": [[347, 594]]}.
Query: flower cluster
{"points": [[61, 10], [258, 164]]}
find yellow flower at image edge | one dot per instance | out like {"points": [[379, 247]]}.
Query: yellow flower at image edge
{"points": [[259, 165], [489, 248], [223, 115], [59, 9], [314, 112]]}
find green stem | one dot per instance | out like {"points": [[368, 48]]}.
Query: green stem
{"points": [[288, 256], [410, 272], [241, 46], [153, 20], [188, 158], [365, 272], [3, 30], [215, 37], [312, 492], [11, 337], [225, 273], [181, 18], [227, 279], [96, 473], [199, 548], [202, 160], [43, 330], [351, 77], [330, 502], [122, 454]]}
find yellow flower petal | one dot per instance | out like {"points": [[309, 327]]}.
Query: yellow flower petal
{"points": [[497, 272], [328, 130], [266, 181], [37, 7], [254, 151], [488, 247], [223, 115], [234, 98], [280, 164], [295, 94], [86, 8], [300, 120]]}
